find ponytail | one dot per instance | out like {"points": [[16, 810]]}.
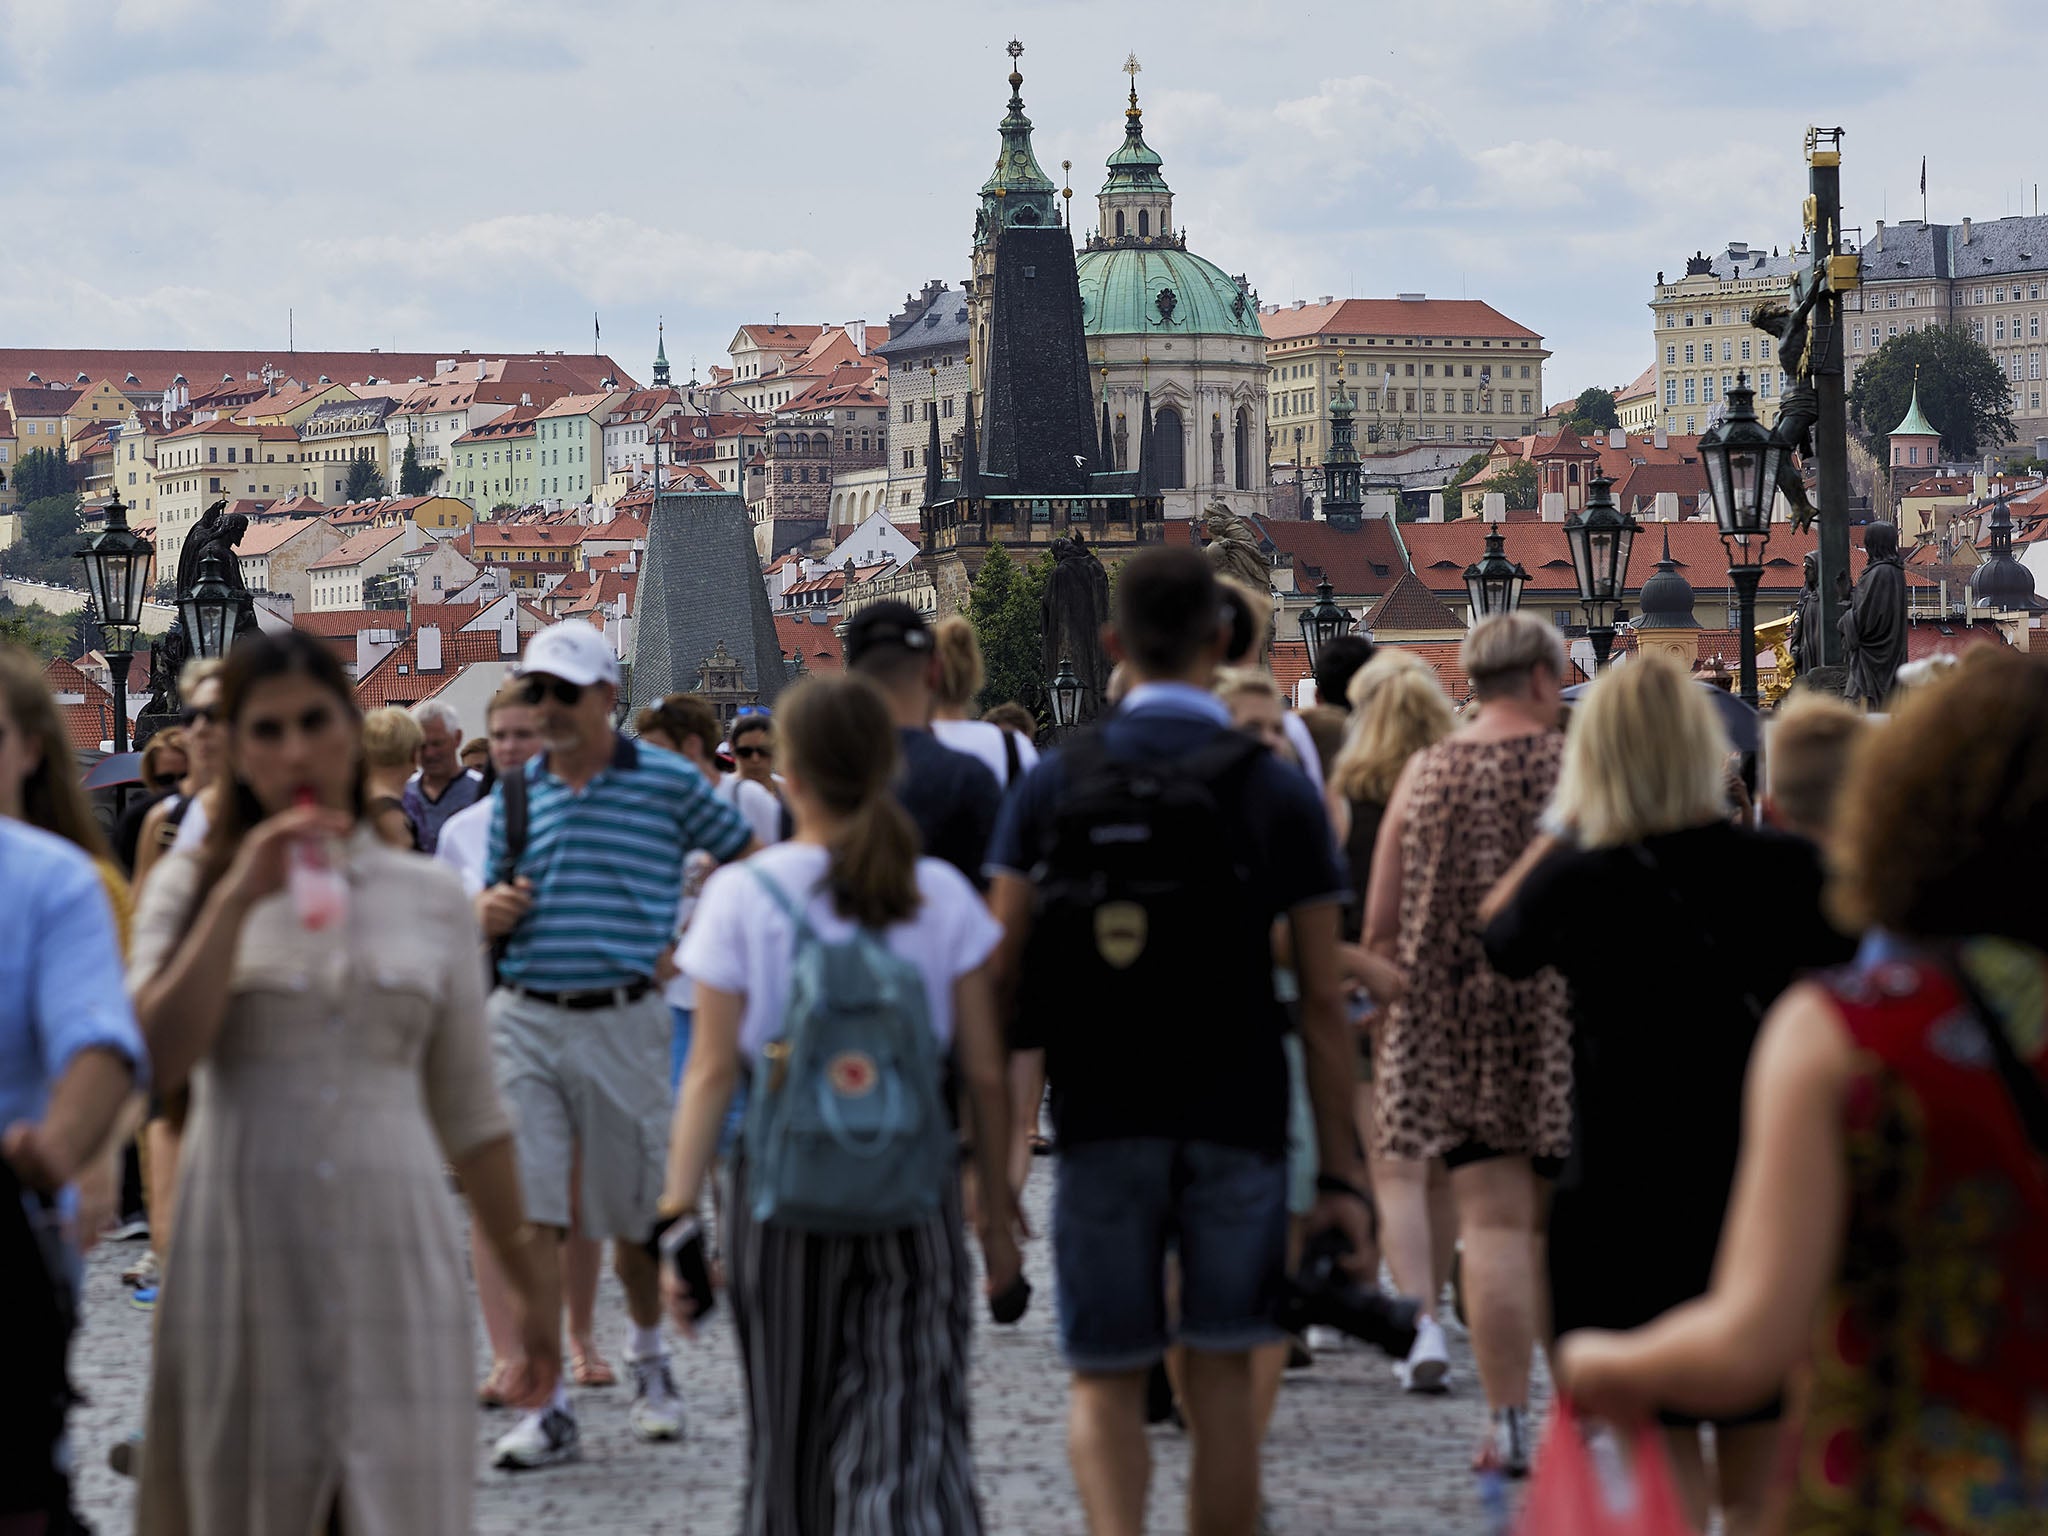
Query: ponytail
{"points": [[842, 746], [873, 875]]}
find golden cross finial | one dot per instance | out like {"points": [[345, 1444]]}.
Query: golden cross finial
{"points": [[1131, 67]]}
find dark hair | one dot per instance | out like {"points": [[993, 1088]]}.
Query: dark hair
{"points": [[680, 715], [888, 640], [744, 725], [1946, 806], [1012, 716], [52, 796], [1336, 664], [841, 746], [1167, 609], [255, 659]]}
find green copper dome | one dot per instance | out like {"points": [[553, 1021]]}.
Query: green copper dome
{"points": [[1166, 291], [1134, 165]]}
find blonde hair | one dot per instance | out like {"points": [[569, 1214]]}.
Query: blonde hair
{"points": [[1235, 682], [197, 671], [1807, 747], [961, 672], [1646, 754], [391, 737], [162, 745], [1397, 708], [1500, 652]]}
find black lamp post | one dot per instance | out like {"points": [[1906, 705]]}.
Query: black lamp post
{"points": [[209, 608], [1600, 540], [1324, 622], [1065, 690], [117, 562], [1493, 582], [1742, 460]]}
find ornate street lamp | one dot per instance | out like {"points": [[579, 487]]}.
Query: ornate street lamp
{"points": [[117, 562], [209, 608], [1324, 622], [1600, 540], [1742, 461], [1494, 582], [1065, 690]]}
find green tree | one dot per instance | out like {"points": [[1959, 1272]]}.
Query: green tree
{"points": [[1594, 411], [1464, 473], [1003, 609], [40, 474], [49, 539], [36, 629], [365, 483], [1517, 482], [415, 478], [1963, 392]]}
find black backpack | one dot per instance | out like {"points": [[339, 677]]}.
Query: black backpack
{"points": [[1146, 925], [513, 788]]}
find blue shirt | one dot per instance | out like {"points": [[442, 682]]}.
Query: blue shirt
{"points": [[606, 863], [60, 970], [429, 816]]}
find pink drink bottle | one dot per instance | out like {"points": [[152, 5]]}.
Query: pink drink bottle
{"points": [[319, 890]]}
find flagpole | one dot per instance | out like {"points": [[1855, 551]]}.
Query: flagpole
{"points": [[1923, 189]]}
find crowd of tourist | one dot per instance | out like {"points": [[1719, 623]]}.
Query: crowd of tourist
{"points": [[1399, 1013]]}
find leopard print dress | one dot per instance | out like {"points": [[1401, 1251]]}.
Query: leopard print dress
{"points": [[1470, 1056]]}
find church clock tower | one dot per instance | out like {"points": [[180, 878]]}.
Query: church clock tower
{"points": [[1017, 193]]}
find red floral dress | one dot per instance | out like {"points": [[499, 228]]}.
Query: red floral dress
{"points": [[1929, 1403]]}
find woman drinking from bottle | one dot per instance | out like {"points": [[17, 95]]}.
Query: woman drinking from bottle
{"points": [[321, 992]]}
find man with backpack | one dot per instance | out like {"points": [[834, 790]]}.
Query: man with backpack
{"points": [[1139, 874], [586, 852]]}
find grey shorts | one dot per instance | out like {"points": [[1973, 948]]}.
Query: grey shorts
{"points": [[597, 1081]]}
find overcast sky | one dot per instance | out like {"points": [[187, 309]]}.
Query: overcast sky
{"points": [[438, 174]]}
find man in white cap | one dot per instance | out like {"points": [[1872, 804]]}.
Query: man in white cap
{"points": [[585, 907]]}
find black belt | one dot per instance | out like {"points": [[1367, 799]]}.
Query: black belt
{"points": [[593, 997]]}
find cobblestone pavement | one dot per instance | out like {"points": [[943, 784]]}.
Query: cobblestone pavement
{"points": [[1348, 1452]]}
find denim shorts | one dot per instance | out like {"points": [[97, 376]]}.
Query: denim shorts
{"points": [[1121, 1206]]}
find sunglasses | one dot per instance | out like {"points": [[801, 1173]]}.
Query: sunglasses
{"points": [[190, 715], [751, 752], [566, 693]]}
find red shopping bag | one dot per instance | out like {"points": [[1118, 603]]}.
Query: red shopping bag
{"points": [[1571, 1495]]}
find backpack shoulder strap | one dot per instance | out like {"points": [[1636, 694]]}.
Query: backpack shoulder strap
{"points": [[2029, 1099], [783, 900], [513, 785], [1013, 763]]}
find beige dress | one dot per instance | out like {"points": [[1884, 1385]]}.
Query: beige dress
{"points": [[313, 1333]]}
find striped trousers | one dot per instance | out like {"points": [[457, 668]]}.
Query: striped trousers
{"points": [[854, 1350]]}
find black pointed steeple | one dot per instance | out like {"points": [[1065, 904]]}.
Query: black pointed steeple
{"points": [[1107, 450], [1146, 467], [933, 474], [970, 455]]}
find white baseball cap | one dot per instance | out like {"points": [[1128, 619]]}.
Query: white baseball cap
{"points": [[574, 651]]}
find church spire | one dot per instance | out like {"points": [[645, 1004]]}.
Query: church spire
{"points": [[1135, 205], [1017, 191], [660, 357]]}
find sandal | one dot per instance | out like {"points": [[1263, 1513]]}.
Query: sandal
{"points": [[491, 1393], [587, 1368], [1041, 1146]]}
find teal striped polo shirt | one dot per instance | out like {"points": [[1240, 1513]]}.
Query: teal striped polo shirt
{"points": [[606, 863]]}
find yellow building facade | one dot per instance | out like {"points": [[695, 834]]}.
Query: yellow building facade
{"points": [[1703, 336]]}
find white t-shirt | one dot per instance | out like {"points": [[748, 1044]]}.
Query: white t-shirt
{"points": [[465, 844], [763, 812], [740, 940], [192, 828], [983, 739]]}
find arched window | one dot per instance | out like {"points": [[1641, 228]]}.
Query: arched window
{"points": [[1243, 448], [1119, 223], [782, 442], [1169, 447], [1144, 223]]}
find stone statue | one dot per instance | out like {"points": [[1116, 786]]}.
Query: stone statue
{"points": [[1799, 405], [1233, 547], [1806, 626], [1874, 623], [216, 528], [1071, 618]]}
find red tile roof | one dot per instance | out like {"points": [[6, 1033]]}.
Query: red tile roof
{"points": [[1441, 551], [1396, 317], [87, 725], [397, 679], [818, 644], [1410, 606], [357, 548], [1361, 563]]}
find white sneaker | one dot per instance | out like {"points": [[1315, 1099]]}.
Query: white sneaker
{"points": [[657, 1406], [539, 1439], [1322, 1340], [1428, 1366]]}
